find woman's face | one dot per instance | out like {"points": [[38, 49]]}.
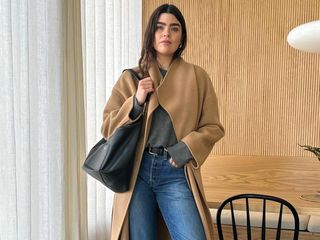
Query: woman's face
{"points": [[167, 37]]}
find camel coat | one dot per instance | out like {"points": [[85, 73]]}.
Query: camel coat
{"points": [[187, 94]]}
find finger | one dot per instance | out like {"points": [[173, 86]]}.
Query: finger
{"points": [[146, 83], [173, 163], [146, 88]]}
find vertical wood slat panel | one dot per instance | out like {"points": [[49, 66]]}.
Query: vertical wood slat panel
{"points": [[269, 93]]}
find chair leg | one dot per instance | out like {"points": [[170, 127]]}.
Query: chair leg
{"points": [[279, 223], [234, 227], [263, 226], [248, 220]]}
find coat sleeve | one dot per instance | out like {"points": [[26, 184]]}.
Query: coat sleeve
{"points": [[119, 105], [209, 130]]}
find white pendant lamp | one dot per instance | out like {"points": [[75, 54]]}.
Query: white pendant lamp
{"points": [[306, 37]]}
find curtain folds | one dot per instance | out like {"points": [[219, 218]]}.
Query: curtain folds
{"points": [[75, 204], [111, 43], [49, 114], [31, 150], [42, 121]]}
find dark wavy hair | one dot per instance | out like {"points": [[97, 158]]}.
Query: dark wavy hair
{"points": [[148, 53]]}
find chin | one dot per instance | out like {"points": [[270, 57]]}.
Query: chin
{"points": [[166, 53]]}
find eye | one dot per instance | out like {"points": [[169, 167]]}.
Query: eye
{"points": [[175, 29], [159, 27]]}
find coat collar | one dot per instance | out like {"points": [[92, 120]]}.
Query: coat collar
{"points": [[158, 81], [154, 71]]}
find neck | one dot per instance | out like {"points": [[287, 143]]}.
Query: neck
{"points": [[164, 62]]}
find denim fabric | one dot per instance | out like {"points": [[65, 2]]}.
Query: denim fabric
{"points": [[159, 185]]}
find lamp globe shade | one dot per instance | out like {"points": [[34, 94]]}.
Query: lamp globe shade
{"points": [[306, 37]]}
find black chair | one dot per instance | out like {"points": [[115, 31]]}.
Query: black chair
{"points": [[277, 202]]}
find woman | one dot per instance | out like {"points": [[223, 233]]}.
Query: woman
{"points": [[181, 126]]}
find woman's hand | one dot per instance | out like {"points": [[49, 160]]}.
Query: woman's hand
{"points": [[145, 86], [173, 163]]}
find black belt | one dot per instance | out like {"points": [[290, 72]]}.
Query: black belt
{"points": [[162, 151]]}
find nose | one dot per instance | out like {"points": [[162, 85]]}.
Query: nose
{"points": [[166, 32]]}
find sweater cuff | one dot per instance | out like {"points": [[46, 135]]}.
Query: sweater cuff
{"points": [[136, 110], [180, 153]]}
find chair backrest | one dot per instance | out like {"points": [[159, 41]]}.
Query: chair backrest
{"points": [[276, 202]]}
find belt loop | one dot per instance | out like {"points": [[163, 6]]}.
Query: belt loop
{"points": [[166, 153], [149, 151]]}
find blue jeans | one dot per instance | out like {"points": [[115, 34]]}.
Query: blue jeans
{"points": [[161, 186]]}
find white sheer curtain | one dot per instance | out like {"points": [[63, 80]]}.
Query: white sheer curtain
{"points": [[111, 43], [31, 151], [43, 193]]}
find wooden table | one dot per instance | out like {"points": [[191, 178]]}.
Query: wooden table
{"points": [[285, 177]]}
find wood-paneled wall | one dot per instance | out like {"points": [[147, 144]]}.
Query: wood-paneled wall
{"points": [[269, 93]]}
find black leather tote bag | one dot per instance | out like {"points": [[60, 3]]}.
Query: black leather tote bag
{"points": [[111, 161]]}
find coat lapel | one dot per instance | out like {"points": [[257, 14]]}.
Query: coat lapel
{"points": [[156, 77], [158, 81]]}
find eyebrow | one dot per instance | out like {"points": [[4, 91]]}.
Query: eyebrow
{"points": [[172, 24]]}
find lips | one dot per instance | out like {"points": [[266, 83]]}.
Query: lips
{"points": [[165, 42]]}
